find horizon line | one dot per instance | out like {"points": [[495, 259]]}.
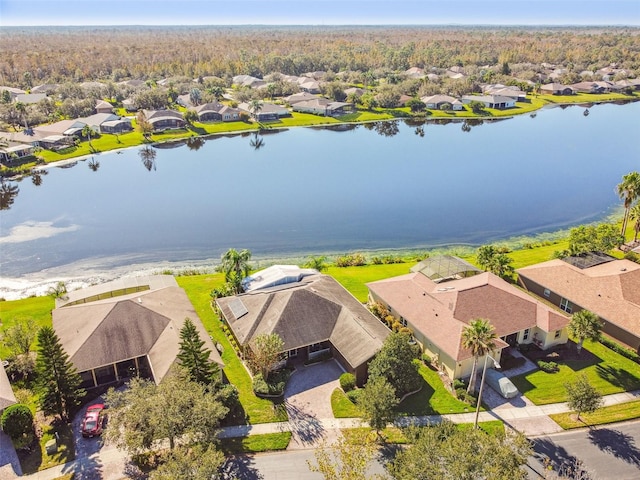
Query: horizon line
{"points": [[575, 25]]}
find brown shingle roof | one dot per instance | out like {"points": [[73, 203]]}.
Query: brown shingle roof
{"points": [[611, 290], [440, 311]]}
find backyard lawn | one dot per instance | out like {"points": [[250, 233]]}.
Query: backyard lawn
{"points": [[36, 308], [355, 279], [606, 370]]}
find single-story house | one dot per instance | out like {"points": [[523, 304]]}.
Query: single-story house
{"points": [[217, 112], [248, 81], [184, 100], [103, 107], [300, 97], [268, 111], [608, 287], [30, 98], [490, 101], [358, 92], [134, 83], [108, 123], [47, 88], [556, 89], [308, 85], [13, 92], [322, 106], [129, 105], [164, 119], [414, 72], [126, 327], [437, 101], [590, 87], [438, 311], [313, 316], [509, 92], [15, 151]]}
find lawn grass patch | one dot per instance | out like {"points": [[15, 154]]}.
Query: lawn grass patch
{"points": [[256, 410], [36, 308], [342, 407], [355, 279], [611, 414], [267, 442], [37, 459], [433, 398], [492, 427], [606, 370]]}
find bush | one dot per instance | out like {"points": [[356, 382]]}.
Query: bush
{"points": [[426, 359], [347, 382], [633, 256], [17, 422], [260, 385], [354, 395], [351, 260], [616, 347], [549, 367], [458, 384]]}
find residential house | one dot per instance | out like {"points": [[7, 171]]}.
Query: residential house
{"points": [[358, 92], [129, 105], [590, 87], [13, 92], [313, 315], [133, 83], [436, 102], [309, 85], [322, 106], [217, 112], [414, 72], [268, 111], [126, 327], [55, 136], [505, 91], [608, 287], [30, 98], [108, 123], [439, 300], [47, 88], [15, 151], [300, 97], [249, 81], [184, 100], [556, 89], [103, 107], [164, 119], [490, 101]]}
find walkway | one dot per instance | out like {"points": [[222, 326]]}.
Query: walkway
{"points": [[531, 420]]}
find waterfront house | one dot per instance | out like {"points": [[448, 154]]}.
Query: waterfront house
{"points": [[268, 111], [490, 101], [164, 119], [108, 123], [313, 315], [126, 327], [608, 287], [441, 296], [217, 112], [556, 89], [15, 151], [322, 106], [436, 102]]}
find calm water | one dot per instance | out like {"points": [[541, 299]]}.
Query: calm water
{"points": [[316, 190]]}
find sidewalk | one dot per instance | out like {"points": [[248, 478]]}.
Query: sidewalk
{"points": [[534, 420]]}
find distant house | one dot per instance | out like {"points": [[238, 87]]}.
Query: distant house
{"points": [[322, 106], [30, 98], [164, 119], [268, 112], [217, 112], [608, 287], [490, 101], [47, 88], [129, 105], [128, 327], [439, 299], [15, 151], [590, 87], [13, 92], [358, 92], [108, 123], [184, 100], [436, 102], [313, 315], [300, 97], [103, 107], [249, 81], [308, 85], [134, 83], [556, 89], [414, 72]]}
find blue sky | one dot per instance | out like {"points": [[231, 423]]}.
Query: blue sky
{"points": [[319, 12]]}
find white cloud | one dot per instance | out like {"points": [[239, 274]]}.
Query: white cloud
{"points": [[29, 231]]}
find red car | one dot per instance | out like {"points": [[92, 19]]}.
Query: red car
{"points": [[93, 420]]}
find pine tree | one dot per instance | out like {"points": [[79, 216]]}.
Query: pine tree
{"points": [[58, 380], [193, 356]]}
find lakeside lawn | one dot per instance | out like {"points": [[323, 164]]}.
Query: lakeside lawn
{"points": [[355, 279], [36, 308], [606, 370]]}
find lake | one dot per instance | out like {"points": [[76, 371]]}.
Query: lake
{"points": [[309, 190]]}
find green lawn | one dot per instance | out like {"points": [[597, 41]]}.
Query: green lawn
{"points": [[38, 459], [355, 279], [257, 410], [612, 414], [342, 406], [267, 442], [433, 398], [607, 371], [588, 97], [36, 308]]}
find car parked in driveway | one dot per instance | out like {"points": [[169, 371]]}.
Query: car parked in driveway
{"points": [[93, 420], [501, 384]]}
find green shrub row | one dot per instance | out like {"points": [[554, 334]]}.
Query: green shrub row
{"points": [[549, 367], [386, 260], [351, 260], [616, 347]]}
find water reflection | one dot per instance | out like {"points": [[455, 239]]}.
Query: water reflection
{"points": [[386, 129], [195, 143], [8, 194], [36, 176], [148, 156], [93, 165], [257, 142], [419, 131]]}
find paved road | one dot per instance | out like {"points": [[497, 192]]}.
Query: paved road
{"points": [[607, 452]]}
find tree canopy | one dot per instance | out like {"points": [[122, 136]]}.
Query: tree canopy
{"points": [[378, 402], [582, 396], [585, 325], [264, 351], [479, 337], [194, 356], [395, 363]]}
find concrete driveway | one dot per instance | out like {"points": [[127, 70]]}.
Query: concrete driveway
{"points": [[9, 463], [307, 398]]}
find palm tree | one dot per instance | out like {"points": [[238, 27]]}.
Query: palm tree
{"points": [[86, 133], [195, 96], [235, 266], [585, 325], [479, 337], [255, 106], [317, 263], [629, 192], [634, 214], [21, 108]]}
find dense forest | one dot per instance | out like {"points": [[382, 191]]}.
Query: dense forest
{"points": [[62, 54]]}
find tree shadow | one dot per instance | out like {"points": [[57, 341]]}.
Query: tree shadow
{"points": [[618, 377], [86, 468], [616, 443], [304, 426], [418, 403], [558, 459], [240, 467]]}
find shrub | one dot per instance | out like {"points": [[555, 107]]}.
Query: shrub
{"points": [[549, 367], [351, 260], [354, 395], [616, 347], [633, 256], [260, 386], [426, 359], [17, 422], [347, 382], [458, 384]]}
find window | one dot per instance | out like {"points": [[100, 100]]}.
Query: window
{"points": [[403, 321], [292, 353], [547, 292], [316, 347], [557, 335], [525, 335], [566, 305]]}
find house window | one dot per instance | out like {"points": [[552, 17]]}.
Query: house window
{"points": [[525, 335], [557, 335], [316, 347], [403, 321], [292, 353], [547, 292], [566, 305]]}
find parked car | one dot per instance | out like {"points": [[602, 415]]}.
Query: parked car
{"points": [[501, 384], [93, 420]]}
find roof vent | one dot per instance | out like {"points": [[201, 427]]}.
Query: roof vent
{"points": [[623, 269], [139, 300]]}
